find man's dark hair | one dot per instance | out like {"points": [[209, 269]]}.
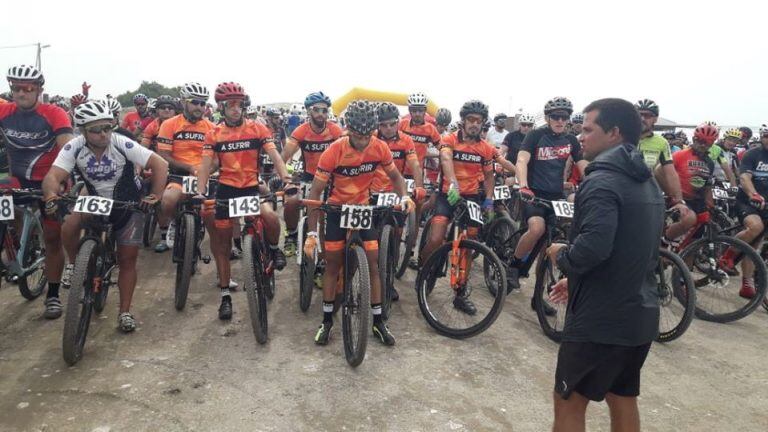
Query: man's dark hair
{"points": [[614, 112]]}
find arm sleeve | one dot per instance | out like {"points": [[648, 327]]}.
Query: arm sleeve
{"points": [[594, 242]]}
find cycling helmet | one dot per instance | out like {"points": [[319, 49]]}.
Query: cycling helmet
{"points": [[417, 99], [78, 99], [166, 100], [90, 112], [443, 117], [682, 136], [114, 106], [193, 90], [60, 102], [733, 133], [487, 125], [272, 112], [647, 105], [474, 107], [669, 135], [251, 110], [229, 91], [453, 127], [361, 117], [387, 111], [151, 104], [25, 73], [763, 130], [558, 103], [526, 118], [577, 118], [140, 97], [316, 98], [706, 133], [746, 132], [499, 116], [712, 123]]}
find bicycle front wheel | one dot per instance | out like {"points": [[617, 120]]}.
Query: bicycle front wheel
{"points": [[306, 273], [150, 226], [253, 279], [357, 304], [551, 315], [387, 252], [445, 290], [77, 317], [185, 242], [718, 296], [33, 283], [406, 244], [677, 296]]}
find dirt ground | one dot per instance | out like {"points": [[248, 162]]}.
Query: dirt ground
{"points": [[185, 371]]}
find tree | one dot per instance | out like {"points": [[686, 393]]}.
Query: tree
{"points": [[151, 89]]}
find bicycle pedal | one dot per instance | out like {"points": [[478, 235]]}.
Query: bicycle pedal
{"points": [[207, 259]]}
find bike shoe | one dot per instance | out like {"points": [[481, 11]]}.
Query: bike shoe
{"points": [[464, 304], [126, 322], [279, 258], [382, 333], [225, 310], [161, 247], [52, 308], [323, 334]]}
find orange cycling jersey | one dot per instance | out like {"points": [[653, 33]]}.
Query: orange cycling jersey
{"points": [[131, 121], [313, 144], [183, 139], [238, 151], [149, 137], [470, 160], [422, 136], [402, 149], [350, 171]]}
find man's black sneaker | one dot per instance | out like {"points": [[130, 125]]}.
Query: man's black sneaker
{"points": [[225, 310], [279, 258], [382, 333], [464, 304]]}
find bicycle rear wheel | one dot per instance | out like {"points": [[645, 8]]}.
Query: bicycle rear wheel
{"points": [[546, 278], [357, 303], [306, 274], [406, 244], [33, 284], [387, 251], [184, 246], [77, 317], [438, 298], [253, 278], [717, 293], [150, 226], [677, 296]]}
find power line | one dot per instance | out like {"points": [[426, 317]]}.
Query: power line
{"points": [[18, 46]]}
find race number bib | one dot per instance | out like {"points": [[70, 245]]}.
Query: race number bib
{"points": [[189, 185], [501, 193], [475, 212], [6, 207], [409, 185], [244, 206], [298, 166], [719, 193], [563, 209], [93, 205], [356, 217], [265, 159], [387, 199]]}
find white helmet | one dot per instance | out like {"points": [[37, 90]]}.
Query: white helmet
{"points": [[152, 104], [114, 106], [25, 73], [91, 111], [526, 118], [712, 123], [251, 110], [193, 90], [763, 129], [417, 99]]}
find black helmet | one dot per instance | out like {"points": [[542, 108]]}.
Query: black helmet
{"points": [[558, 103], [387, 111], [647, 105], [443, 117], [474, 107], [167, 100], [361, 117], [499, 116]]}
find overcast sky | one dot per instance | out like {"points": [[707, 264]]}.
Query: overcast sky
{"points": [[697, 59]]}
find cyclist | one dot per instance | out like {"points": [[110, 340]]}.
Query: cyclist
{"points": [[34, 132], [115, 107], [512, 142], [577, 121], [350, 165], [497, 133], [313, 138], [442, 120], [751, 208], [723, 154], [134, 119], [166, 108], [180, 142], [107, 163], [464, 156], [236, 144], [540, 168], [695, 169]]}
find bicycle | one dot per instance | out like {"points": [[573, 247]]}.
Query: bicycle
{"points": [[454, 259], [356, 279], [308, 265], [93, 267], [25, 251], [390, 245], [187, 237]]}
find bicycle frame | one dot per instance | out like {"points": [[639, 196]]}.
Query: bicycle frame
{"points": [[15, 266]]}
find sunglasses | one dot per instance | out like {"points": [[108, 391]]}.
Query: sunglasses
{"points": [[140, 104], [526, 124], [559, 117], [100, 129], [321, 110], [417, 110], [29, 88], [196, 102], [392, 123], [166, 107], [646, 115]]}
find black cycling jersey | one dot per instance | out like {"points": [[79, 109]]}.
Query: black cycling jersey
{"points": [[549, 153], [755, 162], [513, 141]]}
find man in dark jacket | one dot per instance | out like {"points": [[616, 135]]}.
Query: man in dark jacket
{"points": [[612, 314]]}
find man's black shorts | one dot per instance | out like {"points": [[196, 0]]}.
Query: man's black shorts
{"points": [[530, 209], [744, 209], [593, 369]]}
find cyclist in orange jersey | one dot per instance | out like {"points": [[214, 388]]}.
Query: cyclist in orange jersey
{"points": [[312, 137], [166, 108], [180, 142], [236, 144], [349, 165]]}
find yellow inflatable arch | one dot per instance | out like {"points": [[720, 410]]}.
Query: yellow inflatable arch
{"points": [[340, 103]]}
